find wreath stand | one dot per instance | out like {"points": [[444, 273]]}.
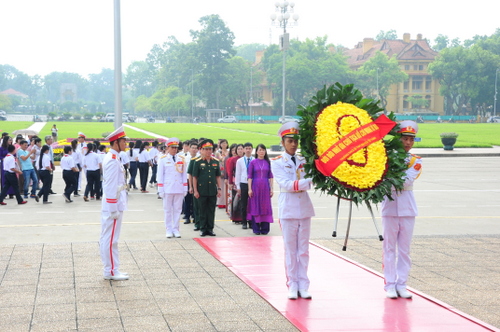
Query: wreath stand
{"points": [[344, 248]]}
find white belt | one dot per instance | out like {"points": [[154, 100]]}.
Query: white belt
{"points": [[291, 191]]}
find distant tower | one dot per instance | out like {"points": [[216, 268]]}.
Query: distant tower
{"points": [[68, 92]]}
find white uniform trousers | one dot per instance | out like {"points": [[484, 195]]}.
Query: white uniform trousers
{"points": [[172, 206], [108, 243], [296, 239], [398, 232]]}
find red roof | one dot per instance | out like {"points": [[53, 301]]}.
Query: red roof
{"points": [[412, 50], [13, 93]]}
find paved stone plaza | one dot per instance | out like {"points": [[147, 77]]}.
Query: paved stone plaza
{"points": [[51, 279]]}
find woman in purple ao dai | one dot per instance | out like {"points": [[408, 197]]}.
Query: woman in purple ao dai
{"points": [[260, 191]]}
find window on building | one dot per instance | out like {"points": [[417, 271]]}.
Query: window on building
{"points": [[417, 83], [407, 67], [406, 86], [420, 67], [428, 84]]}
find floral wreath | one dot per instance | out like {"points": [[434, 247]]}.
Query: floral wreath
{"points": [[343, 138]]}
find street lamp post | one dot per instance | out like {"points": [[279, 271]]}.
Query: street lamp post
{"points": [[284, 10], [250, 101], [378, 93], [118, 65], [495, 98], [192, 90]]}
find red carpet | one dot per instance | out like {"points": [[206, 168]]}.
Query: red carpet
{"points": [[346, 296]]}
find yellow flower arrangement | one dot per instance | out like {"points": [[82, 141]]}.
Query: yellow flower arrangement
{"points": [[364, 169]]}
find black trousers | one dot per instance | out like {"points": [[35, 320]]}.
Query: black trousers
{"points": [[133, 173], [206, 206], [244, 202], [93, 183], [46, 178], [153, 174], [70, 181], [10, 182], [143, 173], [77, 178]]}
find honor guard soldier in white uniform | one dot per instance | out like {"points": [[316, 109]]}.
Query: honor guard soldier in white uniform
{"points": [[172, 186], [295, 210], [398, 220], [114, 202]]}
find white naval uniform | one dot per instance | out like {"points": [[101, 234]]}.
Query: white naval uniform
{"points": [[398, 220], [114, 200], [172, 187], [295, 210]]}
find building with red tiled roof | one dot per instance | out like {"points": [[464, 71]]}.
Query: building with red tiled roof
{"points": [[414, 57], [12, 92]]}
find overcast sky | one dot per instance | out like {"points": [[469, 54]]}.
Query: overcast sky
{"points": [[42, 36]]}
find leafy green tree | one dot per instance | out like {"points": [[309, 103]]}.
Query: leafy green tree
{"points": [[214, 46], [140, 78], [5, 103], [52, 83], [169, 102], [142, 104], [247, 51], [309, 65], [376, 76], [417, 101], [466, 76], [389, 35], [101, 87]]}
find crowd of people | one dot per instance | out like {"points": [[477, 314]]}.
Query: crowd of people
{"points": [[194, 178]]}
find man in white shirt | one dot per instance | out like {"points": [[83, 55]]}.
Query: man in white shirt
{"points": [[295, 210], [153, 156], [172, 186], [241, 182]]}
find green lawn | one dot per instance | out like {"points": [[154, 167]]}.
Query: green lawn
{"points": [[470, 135], [10, 126]]}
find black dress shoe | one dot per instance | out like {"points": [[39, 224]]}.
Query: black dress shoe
{"points": [[52, 193], [210, 233], [197, 229], [187, 221], [204, 233], [244, 227]]}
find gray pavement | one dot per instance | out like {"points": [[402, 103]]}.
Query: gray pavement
{"points": [[50, 271]]}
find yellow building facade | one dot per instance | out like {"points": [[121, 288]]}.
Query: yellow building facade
{"points": [[414, 57]]}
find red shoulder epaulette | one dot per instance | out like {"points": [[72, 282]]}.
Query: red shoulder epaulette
{"points": [[113, 156]]}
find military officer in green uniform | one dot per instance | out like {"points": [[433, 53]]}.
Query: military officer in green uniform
{"points": [[206, 186], [196, 212]]}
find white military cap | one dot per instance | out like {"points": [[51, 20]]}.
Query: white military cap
{"points": [[172, 142], [118, 133], [289, 129], [408, 128]]}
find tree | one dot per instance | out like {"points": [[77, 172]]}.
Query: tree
{"points": [[247, 51], [101, 87], [389, 35], [466, 76], [169, 102], [417, 101], [214, 46], [5, 103], [376, 76], [53, 82], [309, 65], [140, 78]]}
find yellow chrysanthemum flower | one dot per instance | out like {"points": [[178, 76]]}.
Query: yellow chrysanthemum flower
{"points": [[365, 168]]}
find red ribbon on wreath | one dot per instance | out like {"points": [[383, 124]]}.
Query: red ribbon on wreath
{"points": [[353, 142]]}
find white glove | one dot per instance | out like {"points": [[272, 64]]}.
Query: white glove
{"points": [[114, 215], [161, 194]]}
